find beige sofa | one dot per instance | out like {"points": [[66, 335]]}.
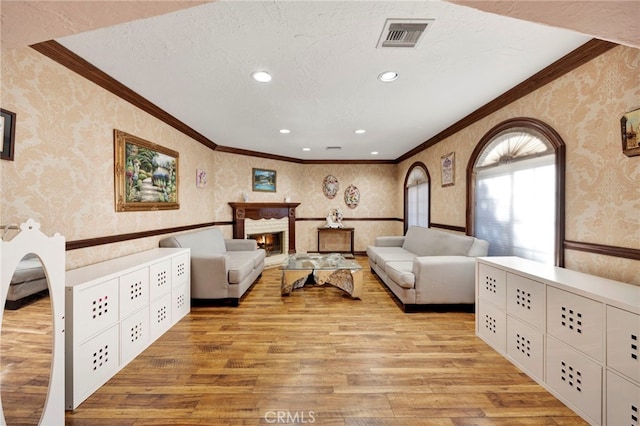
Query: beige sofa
{"points": [[427, 266], [222, 269]]}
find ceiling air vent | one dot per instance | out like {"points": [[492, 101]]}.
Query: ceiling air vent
{"points": [[403, 32], [333, 147]]}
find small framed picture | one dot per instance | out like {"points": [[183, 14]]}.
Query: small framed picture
{"points": [[447, 163], [8, 132], [201, 178], [630, 127], [264, 180]]}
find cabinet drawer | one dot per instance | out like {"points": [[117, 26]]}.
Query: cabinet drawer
{"points": [[576, 321], [623, 401], [160, 316], [134, 291], [525, 346], [492, 325], [623, 340], [180, 267], [134, 335], [181, 302], [575, 378], [526, 300], [160, 278], [492, 284], [95, 308], [94, 362]]}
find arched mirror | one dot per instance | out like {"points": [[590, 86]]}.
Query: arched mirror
{"points": [[32, 337]]}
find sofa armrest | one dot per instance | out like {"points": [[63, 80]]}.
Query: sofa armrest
{"points": [[444, 279], [389, 241], [209, 276], [238, 244]]}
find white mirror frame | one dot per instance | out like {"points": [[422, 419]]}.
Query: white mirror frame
{"points": [[51, 251]]}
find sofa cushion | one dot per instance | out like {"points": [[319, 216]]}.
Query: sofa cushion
{"points": [[401, 273], [255, 257], [381, 255], [201, 243], [431, 242]]}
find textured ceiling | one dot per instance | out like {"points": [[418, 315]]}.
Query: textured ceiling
{"points": [[196, 64], [28, 22]]}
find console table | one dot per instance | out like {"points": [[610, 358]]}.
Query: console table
{"points": [[325, 234]]}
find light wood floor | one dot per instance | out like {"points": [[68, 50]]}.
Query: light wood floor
{"points": [[315, 357]]}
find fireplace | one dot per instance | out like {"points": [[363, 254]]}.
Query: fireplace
{"points": [[271, 242], [267, 218]]}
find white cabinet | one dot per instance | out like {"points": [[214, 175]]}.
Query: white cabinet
{"points": [[116, 309], [575, 334]]}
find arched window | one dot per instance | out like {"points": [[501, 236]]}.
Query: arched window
{"points": [[516, 191], [416, 196]]}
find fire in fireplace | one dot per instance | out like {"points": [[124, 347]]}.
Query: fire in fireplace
{"points": [[271, 242]]}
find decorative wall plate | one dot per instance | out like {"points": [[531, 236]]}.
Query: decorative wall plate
{"points": [[352, 196], [330, 186]]}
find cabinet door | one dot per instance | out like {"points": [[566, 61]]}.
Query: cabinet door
{"points": [[623, 401], [526, 300], [575, 378], [492, 284], [134, 335], [576, 320], [160, 316], [492, 325], [94, 362], [160, 278], [180, 269], [181, 304], [134, 291], [623, 340], [94, 308], [525, 346]]}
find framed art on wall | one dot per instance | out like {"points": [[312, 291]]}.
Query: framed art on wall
{"points": [[145, 175], [264, 180], [8, 132], [630, 127], [447, 163]]}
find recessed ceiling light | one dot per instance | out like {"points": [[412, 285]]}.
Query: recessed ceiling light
{"points": [[388, 76], [306, 149], [261, 76], [359, 131], [374, 152], [284, 131]]}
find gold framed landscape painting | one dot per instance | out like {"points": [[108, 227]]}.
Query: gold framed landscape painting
{"points": [[146, 175]]}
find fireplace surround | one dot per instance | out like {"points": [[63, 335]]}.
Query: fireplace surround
{"points": [[257, 211]]}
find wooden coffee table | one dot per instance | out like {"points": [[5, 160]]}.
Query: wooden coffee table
{"points": [[327, 269]]}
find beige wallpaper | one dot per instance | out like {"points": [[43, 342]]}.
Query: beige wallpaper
{"points": [[63, 172], [602, 184]]}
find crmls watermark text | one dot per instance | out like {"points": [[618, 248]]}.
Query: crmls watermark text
{"points": [[289, 417]]}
